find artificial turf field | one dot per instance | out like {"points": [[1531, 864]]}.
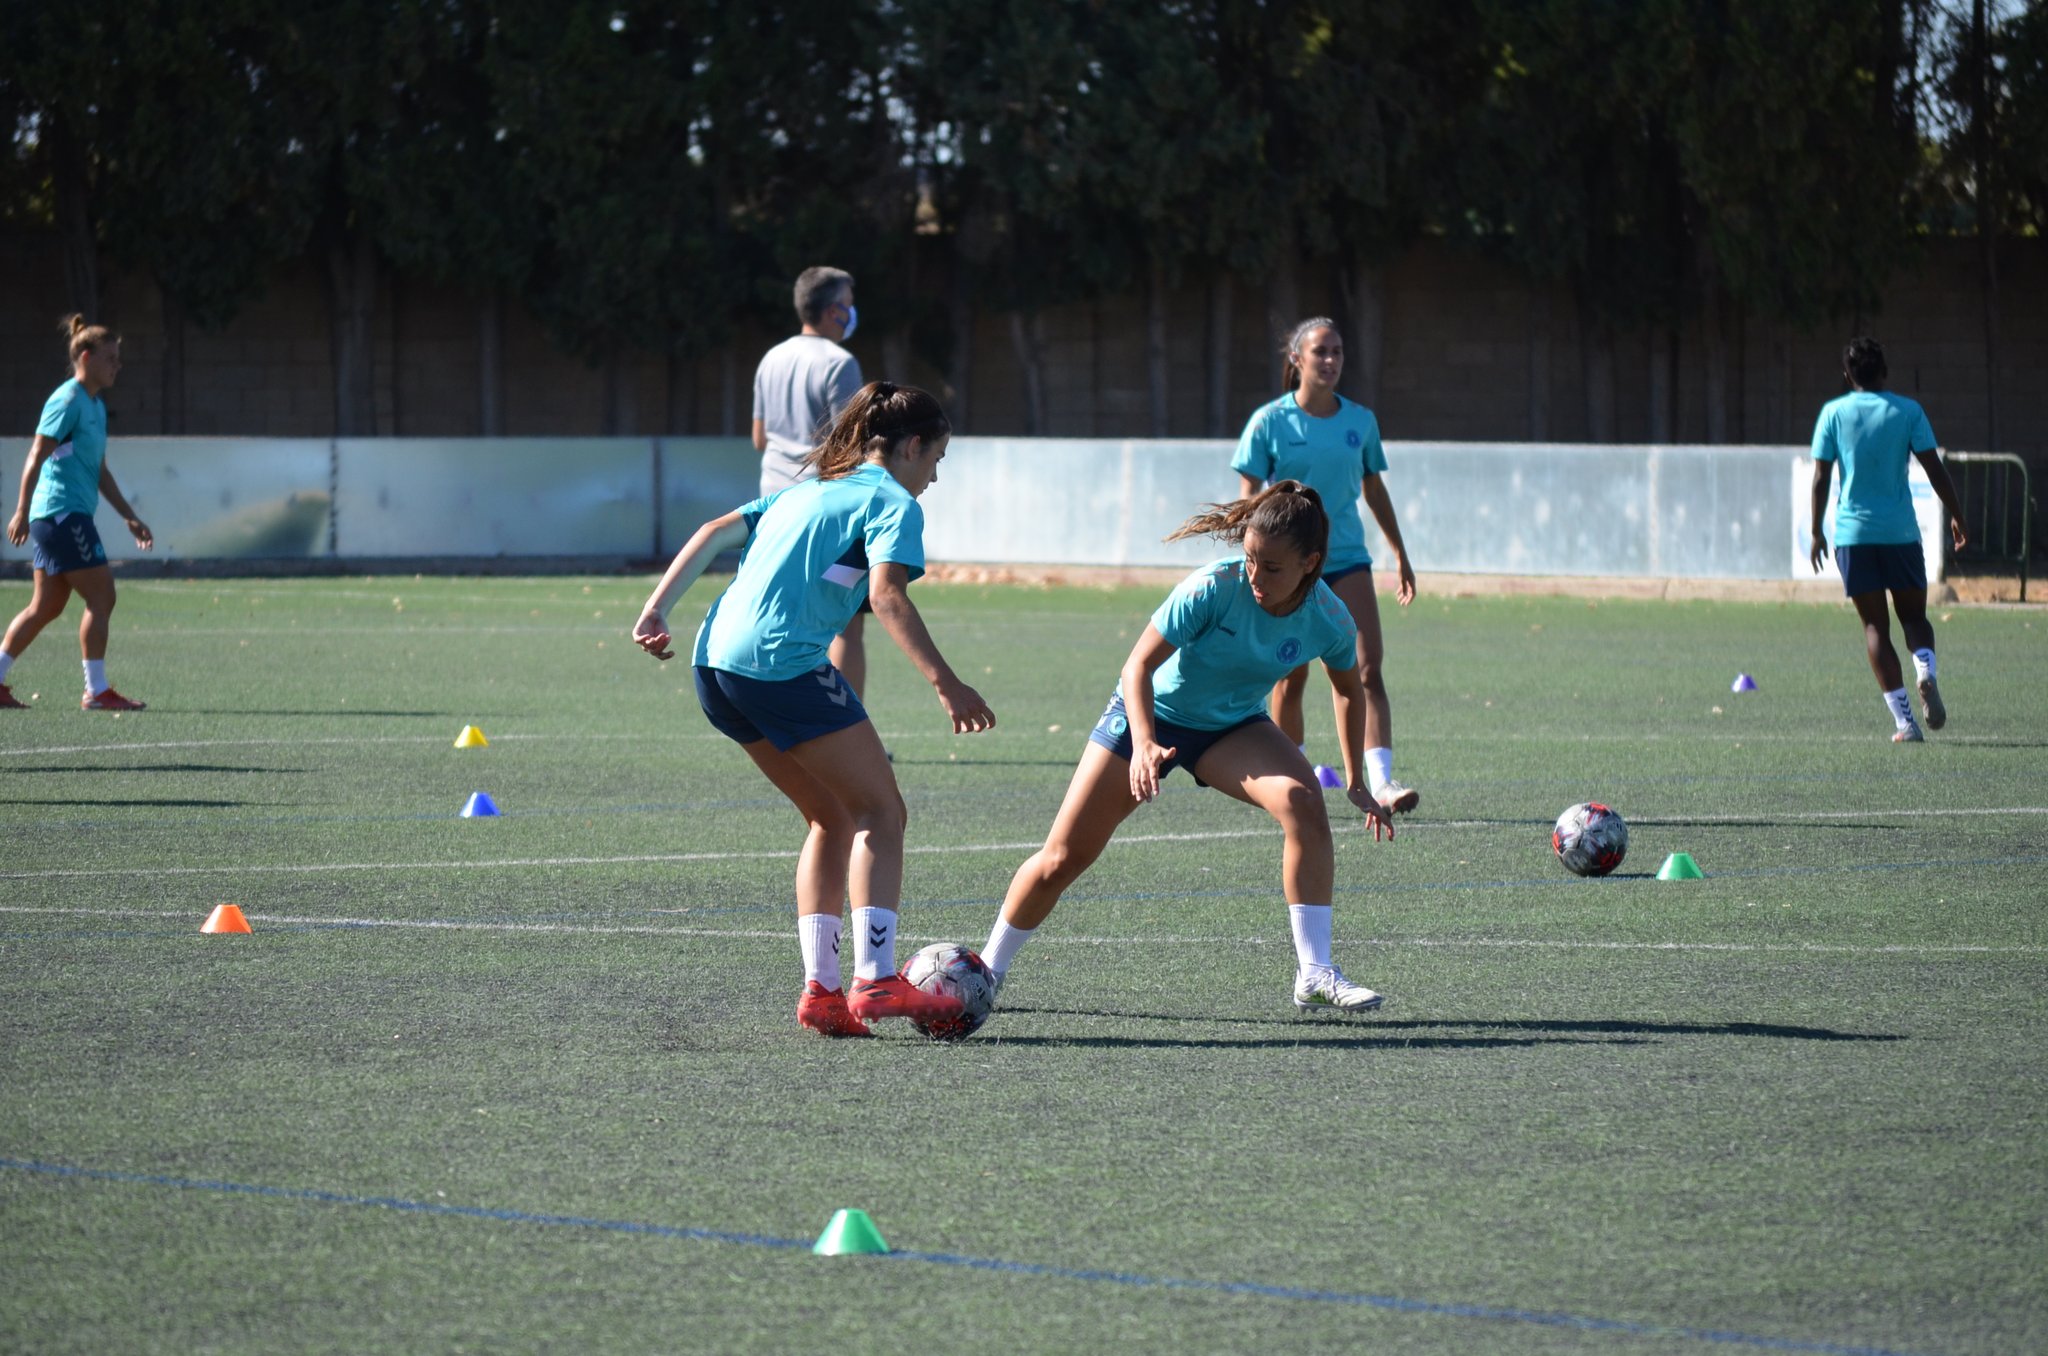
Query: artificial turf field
{"points": [[532, 1082]]}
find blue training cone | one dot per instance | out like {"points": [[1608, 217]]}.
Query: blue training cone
{"points": [[1330, 777], [1743, 683], [480, 806]]}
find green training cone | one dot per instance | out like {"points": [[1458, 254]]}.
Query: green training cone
{"points": [[851, 1231], [1680, 866]]}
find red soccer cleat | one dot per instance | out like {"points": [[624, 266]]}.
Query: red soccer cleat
{"points": [[824, 1011], [106, 699], [895, 996], [10, 702]]}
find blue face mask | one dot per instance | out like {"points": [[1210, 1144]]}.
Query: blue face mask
{"points": [[852, 321]]}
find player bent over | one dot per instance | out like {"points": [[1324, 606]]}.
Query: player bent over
{"points": [[1192, 694], [1873, 433], [814, 552]]}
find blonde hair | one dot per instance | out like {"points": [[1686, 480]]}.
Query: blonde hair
{"points": [[880, 412], [1286, 510], [85, 338]]}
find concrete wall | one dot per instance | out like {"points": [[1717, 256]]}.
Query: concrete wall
{"points": [[1556, 509]]}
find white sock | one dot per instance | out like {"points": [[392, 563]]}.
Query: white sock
{"points": [[1004, 942], [874, 943], [1923, 665], [818, 934], [95, 676], [1379, 767], [1902, 713], [1311, 926], [6, 663]]}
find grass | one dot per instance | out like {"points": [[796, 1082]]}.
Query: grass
{"points": [[531, 1083]]}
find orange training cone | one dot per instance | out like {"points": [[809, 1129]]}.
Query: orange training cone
{"points": [[225, 918]]}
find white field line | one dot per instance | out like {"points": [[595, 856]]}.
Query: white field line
{"points": [[783, 854], [1058, 939]]}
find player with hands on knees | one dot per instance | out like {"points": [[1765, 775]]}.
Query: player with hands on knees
{"points": [[813, 553], [1192, 694]]}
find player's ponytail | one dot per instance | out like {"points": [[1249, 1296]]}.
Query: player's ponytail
{"points": [[84, 338], [880, 418], [1291, 350], [1286, 510]]}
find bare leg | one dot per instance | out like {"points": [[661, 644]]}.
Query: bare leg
{"points": [[851, 765], [1259, 766], [96, 587], [1285, 704], [45, 605], [1877, 638], [849, 654], [1357, 592], [1911, 605], [1098, 800]]}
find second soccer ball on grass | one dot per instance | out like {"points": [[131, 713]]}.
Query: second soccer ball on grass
{"points": [[1590, 839]]}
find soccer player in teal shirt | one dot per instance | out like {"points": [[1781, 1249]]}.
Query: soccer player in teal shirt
{"points": [[1331, 444], [813, 553], [1192, 694], [60, 491], [1873, 433]]}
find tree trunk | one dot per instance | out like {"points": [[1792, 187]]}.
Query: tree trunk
{"points": [[1663, 367], [74, 218], [621, 413], [728, 393], [352, 300], [895, 356], [1155, 350], [490, 365], [960, 318], [1283, 313], [1987, 216], [1027, 337], [1539, 364], [1714, 337], [1596, 360], [1217, 424], [173, 375], [1365, 353]]}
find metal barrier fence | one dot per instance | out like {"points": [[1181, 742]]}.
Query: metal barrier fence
{"points": [[1998, 509]]}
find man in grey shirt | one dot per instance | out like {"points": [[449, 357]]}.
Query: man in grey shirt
{"points": [[800, 387], [804, 381]]}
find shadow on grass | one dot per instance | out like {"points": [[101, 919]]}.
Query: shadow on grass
{"points": [[160, 767], [143, 804], [320, 711], [1312, 1034], [1595, 1027], [901, 761]]}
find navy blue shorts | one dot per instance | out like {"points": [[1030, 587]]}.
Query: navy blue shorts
{"points": [[73, 544], [786, 713], [1113, 732], [1332, 576], [1897, 568]]}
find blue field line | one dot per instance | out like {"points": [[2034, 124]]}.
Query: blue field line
{"points": [[1135, 1280]]}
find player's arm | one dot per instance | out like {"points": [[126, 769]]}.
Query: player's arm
{"points": [[1382, 505], [111, 492], [726, 533], [760, 435], [1248, 486], [889, 595], [39, 450], [1823, 475], [1937, 476], [1348, 691], [1148, 757]]}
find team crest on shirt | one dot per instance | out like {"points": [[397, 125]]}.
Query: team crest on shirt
{"points": [[1352, 437], [1289, 651]]}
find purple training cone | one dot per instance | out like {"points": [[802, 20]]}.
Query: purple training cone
{"points": [[1743, 683], [1328, 776]]}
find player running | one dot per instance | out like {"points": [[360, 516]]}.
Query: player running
{"points": [[1873, 432], [1192, 694], [1331, 444], [814, 551], [60, 491]]}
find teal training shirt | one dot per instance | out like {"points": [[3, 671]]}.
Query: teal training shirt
{"points": [[1331, 456], [1874, 434], [1229, 651], [804, 572], [70, 479]]}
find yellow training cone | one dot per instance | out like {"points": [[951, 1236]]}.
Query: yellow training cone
{"points": [[471, 738]]}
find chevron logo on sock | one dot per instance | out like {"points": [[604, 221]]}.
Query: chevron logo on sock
{"points": [[877, 935]]}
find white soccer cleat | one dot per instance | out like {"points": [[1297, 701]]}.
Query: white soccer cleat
{"points": [[1910, 735], [1395, 798], [1329, 989]]}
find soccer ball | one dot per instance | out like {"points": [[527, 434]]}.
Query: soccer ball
{"points": [[950, 968], [1590, 839]]}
